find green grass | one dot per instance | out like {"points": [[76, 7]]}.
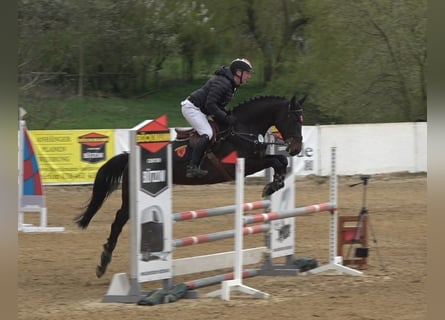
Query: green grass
{"points": [[114, 113]]}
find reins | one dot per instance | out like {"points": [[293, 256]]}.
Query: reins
{"points": [[259, 139], [249, 137], [253, 138]]}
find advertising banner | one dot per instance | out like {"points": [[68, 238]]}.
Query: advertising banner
{"points": [[72, 156], [307, 161], [282, 231]]}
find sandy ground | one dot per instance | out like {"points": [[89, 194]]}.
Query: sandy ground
{"points": [[56, 271]]}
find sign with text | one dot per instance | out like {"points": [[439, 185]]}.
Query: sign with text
{"points": [[306, 162], [150, 201], [282, 231], [72, 156]]}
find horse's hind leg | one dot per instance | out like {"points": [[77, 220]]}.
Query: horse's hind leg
{"points": [[122, 216]]}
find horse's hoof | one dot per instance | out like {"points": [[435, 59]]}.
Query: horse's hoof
{"points": [[105, 259], [271, 188], [100, 271], [267, 191]]}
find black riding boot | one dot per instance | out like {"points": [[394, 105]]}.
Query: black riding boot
{"points": [[193, 169]]}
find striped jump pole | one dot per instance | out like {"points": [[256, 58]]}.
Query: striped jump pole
{"points": [[211, 212], [220, 235], [221, 260], [262, 217]]}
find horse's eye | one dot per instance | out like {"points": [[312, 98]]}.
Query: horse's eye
{"points": [[300, 115]]}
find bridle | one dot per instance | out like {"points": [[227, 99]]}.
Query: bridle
{"points": [[260, 140]]}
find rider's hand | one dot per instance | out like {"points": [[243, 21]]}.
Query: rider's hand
{"points": [[230, 119]]}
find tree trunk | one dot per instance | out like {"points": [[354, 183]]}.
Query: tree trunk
{"points": [[81, 70]]}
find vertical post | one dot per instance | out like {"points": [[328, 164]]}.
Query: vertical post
{"points": [[334, 214], [236, 283], [20, 174], [239, 220], [335, 262], [43, 219], [280, 238], [134, 168], [150, 178]]}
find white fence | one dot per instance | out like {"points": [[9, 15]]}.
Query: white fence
{"points": [[361, 149], [374, 148]]}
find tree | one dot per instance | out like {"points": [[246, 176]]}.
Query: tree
{"points": [[268, 29], [358, 61], [196, 38], [402, 39], [41, 42], [366, 61]]}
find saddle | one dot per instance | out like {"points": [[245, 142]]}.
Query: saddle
{"points": [[184, 134], [192, 136]]}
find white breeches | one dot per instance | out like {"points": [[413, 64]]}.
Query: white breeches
{"points": [[196, 118]]}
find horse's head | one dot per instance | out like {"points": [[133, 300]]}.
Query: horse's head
{"points": [[258, 114], [290, 123]]}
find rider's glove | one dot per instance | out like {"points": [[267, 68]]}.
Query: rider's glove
{"points": [[230, 120]]}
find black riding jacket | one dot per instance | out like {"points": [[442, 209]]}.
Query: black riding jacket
{"points": [[213, 97]]}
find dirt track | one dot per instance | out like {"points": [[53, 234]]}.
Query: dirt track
{"points": [[56, 275]]}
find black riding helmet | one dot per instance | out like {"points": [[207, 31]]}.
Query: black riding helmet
{"points": [[242, 64]]}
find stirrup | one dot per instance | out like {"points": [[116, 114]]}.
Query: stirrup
{"points": [[195, 171]]}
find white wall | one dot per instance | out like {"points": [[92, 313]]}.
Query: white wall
{"points": [[360, 148], [374, 148]]}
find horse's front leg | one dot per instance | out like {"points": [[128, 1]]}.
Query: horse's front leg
{"points": [[122, 216], [279, 164]]}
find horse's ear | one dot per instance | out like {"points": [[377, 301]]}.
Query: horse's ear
{"points": [[302, 100]]}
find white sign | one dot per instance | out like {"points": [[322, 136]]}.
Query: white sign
{"points": [[150, 183]]}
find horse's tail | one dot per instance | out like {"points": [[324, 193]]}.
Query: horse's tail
{"points": [[107, 180]]}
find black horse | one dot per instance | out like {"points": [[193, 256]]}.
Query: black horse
{"points": [[254, 118]]}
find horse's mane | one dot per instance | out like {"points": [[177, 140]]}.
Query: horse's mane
{"points": [[257, 98]]}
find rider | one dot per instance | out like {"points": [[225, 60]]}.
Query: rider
{"points": [[211, 100]]}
